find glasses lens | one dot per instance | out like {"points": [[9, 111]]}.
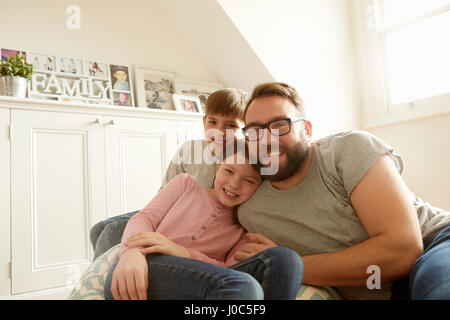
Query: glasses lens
{"points": [[279, 127]]}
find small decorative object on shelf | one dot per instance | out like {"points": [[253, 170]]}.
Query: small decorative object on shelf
{"points": [[15, 74], [154, 87], [199, 89], [187, 103]]}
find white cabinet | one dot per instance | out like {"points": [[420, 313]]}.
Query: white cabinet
{"points": [[63, 170], [137, 153], [57, 192], [5, 246]]}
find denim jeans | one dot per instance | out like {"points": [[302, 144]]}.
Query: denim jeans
{"points": [[273, 274], [107, 233], [430, 275]]}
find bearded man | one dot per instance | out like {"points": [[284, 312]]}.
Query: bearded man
{"points": [[341, 204]]}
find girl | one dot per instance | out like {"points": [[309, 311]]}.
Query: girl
{"points": [[181, 245]]}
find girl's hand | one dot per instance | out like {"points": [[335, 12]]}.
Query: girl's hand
{"points": [[156, 242], [130, 278], [256, 243]]}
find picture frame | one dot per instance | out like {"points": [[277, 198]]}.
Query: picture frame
{"points": [[69, 65], [121, 85], [187, 103], [42, 62], [120, 78], [199, 89], [154, 87], [95, 69], [123, 99], [6, 53]]}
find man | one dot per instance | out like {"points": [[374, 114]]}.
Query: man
{"points": [[341, 204]]}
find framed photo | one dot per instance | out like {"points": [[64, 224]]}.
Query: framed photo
{"points": [[121, 85], [122, 99], [120, 78], [42, 62], [68, 65], [6, 53], [202, 90], [187, 103], [95, 69], [154, 87]]}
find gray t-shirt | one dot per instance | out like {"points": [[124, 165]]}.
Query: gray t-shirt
{"points": [[316, 216], [193, 157]]}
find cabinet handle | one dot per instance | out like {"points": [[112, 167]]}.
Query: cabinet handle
{"points": [[97, 121], [111, 122]]}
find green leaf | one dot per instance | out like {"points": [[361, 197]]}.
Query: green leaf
{"points": [[16, 66]]}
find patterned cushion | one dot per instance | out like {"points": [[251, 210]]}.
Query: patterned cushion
{"points": [[317, 293], [92, 282]]}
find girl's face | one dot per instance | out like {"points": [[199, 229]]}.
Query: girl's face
{"points": [[235, 183]]}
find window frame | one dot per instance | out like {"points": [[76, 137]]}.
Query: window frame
{"points": [[417, 108]]}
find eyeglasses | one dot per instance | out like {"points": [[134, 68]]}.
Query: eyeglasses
{"points": [[282, 127]]}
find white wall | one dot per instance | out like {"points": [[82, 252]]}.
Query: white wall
{"points": [[218, 41], [425, 149], [308, 44], [130, 32]]}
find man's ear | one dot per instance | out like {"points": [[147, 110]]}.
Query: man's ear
{"points": [[308, 129]]}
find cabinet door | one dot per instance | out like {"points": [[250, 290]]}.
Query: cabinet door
{"points": [[138, 151], [57, 194], [4, 203]]}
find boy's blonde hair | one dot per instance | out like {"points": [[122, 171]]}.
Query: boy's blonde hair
{"points": [[277, 89], [228, 101]]}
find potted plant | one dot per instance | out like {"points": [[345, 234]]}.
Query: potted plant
{"points": [[15, 74]]}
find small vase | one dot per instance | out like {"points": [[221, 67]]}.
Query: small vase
{"points": [[13, 86]]}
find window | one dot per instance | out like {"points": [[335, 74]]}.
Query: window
{"points": [[415, 45]]}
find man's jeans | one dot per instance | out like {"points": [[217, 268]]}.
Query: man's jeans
{"points": [[430, 276], [273, 274]]}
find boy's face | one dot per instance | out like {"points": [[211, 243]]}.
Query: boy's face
{"points": [[221, 130], [235, 183]]}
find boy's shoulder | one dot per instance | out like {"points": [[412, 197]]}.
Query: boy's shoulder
{"points": [[193, 142]]}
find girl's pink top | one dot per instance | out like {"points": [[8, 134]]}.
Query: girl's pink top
{"points": [[186, 213]]}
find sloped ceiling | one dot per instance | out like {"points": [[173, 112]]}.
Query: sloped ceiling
{"points": [[217, 40]]}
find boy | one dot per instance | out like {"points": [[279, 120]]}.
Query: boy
{"points": [[224, 114]]}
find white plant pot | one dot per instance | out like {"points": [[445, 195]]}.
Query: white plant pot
{"points": [[13, 86]]}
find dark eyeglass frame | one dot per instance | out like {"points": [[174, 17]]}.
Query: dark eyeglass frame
{"points": [[267, 126]]}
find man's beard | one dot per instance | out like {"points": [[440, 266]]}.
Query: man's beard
{"points": [[295, 157]]}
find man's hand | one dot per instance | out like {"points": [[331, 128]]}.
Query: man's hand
{"points": [[130, 278], [256, 243], [155, 242]]}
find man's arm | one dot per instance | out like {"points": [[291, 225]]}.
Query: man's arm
{"points": [[384, 206]]}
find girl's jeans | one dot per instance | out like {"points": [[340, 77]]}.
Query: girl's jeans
{"points": [[275, 273]]}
